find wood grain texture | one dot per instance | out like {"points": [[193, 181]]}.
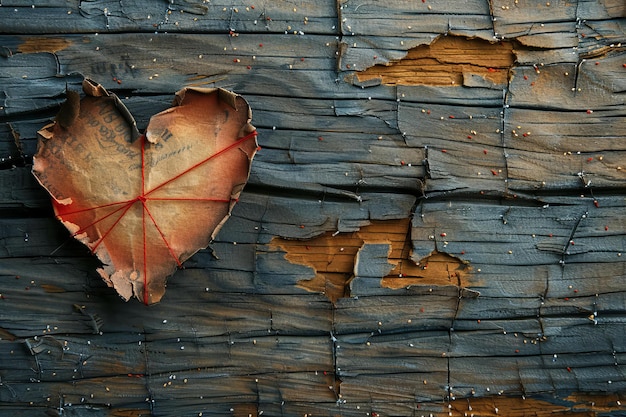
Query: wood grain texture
{"points": [[405, 246]]}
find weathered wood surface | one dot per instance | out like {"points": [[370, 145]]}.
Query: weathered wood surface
{"points": [[434, 225]]}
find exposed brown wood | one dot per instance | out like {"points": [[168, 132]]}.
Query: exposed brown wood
{"points": [[576, 406], [436, 269], [447, 61], [37, 44], [334, 259]]}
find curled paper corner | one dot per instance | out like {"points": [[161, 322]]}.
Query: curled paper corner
{"points": [[117, 281], [145, 204], [92, 88]]}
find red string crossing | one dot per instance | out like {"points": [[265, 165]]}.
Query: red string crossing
{"points": [[122, 207]]}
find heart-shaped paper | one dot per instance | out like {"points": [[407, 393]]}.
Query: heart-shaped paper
{"points": [[145, 204]]}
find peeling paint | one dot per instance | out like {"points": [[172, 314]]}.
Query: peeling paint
{"points": [[447, 61], [438, 268], [337, 258]]}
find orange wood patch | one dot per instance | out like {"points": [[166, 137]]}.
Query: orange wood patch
{"points": [[437, 269], [129, 412], [333, 259], [35, 45], [445, 61], [583, 406]]}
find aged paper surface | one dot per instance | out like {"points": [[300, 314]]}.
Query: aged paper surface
{"points": [[145, 203]]}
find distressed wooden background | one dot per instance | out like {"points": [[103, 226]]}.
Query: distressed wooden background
{"points": [[434, 225]]}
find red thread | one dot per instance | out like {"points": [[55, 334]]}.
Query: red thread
{"points": [[218, 200], [143, 198], [180, 265], [218, 153], [126, 208], [117, 203], [143, 164], [81, 230]]}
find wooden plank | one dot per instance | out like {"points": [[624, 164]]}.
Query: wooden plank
{"points": [[573, 86], [263, 393], [177, 59], [132, 16], [536, 23], [547, 238], [39, 236], [19, 189]]}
